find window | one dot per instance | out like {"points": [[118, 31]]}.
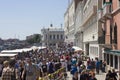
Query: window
{"points": [[57, 36], [111, 34], [61, 36], [53, 36], [50, 37], [115, 33], [110, 1]]}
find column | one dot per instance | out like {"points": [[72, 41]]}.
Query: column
{"points": [[119, 66], [113, 61], [109, 62], [118, 63], [107, 36]]}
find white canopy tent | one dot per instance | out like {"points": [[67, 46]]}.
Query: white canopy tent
{"points": [[77, 48], [34, 47], [41, 47], [7, 55], [16, 50], [21, 50]]}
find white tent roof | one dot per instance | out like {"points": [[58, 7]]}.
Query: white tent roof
{"points": [[34, 47], [77, 48], [7, 55], [22, 50], [11, 51], [41, 47], [16, 50]]}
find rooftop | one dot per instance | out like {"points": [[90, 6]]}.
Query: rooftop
{"points": [[53, 29]]}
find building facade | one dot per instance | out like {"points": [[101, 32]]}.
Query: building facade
{"points": [[52, 36], [78, 23], [95, 26], [88, 34], [109, 18], [69, 23], [90, 29]]}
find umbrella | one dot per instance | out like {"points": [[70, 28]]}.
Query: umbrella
{"points": [[77, 48], [34, 47]]}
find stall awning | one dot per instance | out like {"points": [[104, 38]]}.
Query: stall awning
{"points": [[16, 51], [75, 48], [114, 52], [7, 55], [41, 47]]}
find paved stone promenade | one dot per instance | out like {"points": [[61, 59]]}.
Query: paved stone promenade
{"points": [[100, 76]]}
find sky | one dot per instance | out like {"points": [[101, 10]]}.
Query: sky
{"points": [[21, 18]]}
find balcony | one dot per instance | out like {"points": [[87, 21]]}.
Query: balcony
{"points": [[107, 9], [89, 10], [100, 13]]}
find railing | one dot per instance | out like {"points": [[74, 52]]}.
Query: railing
{"points": [[89, 9], [58, 75], [100, 13], [107, 8]]}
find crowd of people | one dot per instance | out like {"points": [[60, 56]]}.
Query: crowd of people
{"points": [[39, 63]]}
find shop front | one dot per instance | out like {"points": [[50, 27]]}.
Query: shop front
{"points": [[112, 58]]}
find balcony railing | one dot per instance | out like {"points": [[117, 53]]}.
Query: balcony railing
{"points": [[100, 13], [107, 9], [89, 9]]}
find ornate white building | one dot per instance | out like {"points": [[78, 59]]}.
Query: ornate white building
{"points": [[86, 31], [52, 36], [69, 23], [78, 24]]}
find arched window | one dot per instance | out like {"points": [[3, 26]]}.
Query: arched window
{"points": [[111, 34], [115, 33]]}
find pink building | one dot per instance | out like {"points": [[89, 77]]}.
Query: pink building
{"points": [[109, 16], [109, 19]]}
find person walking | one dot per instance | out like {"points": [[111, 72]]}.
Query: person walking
{"points": [[93, 77], [31, 70], [75, 76], [109, 75], [97, 66], [9, 71], [114, 74]]}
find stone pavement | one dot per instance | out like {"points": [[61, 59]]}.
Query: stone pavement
{"points": [[100, 76]]}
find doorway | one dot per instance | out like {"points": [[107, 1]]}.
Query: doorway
{"points": [[87, 48]]}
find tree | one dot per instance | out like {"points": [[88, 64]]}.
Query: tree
{"points": [[36, 38]]}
